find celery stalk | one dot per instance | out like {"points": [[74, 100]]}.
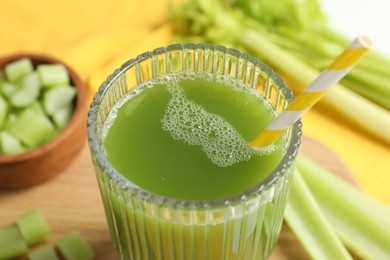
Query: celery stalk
{"points": [[362, 112], [356, 85], [361, 222], [309, 224], [379, 68], [312, 41], [369, 84], [223, 22], [379, 82]]}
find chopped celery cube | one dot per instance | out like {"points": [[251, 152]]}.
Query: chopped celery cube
{"points": [[28, 92], [11, 243], [53, 134], [37, 107], [44, 253], [58, 97], [8, 88], [62, 116], [11, 118], [74, 247], [17, 69], [33, 227], [53, 75], [3, 111], [10, 144], [2, 76], [31, 128]]}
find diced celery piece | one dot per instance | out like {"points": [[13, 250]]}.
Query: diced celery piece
{"points": [[73, 247], [37, 107], [33, 227], [61, 116], [53, 75], [28, 92], [3, 111], [8, 88], [10, 144], [11, 118], [17, 69], [2, 76], [44, 253], [31, 128], [58, 97], [11, 243], [53, 134], [309, 224]]}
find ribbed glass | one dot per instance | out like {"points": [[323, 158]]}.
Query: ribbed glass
{"points": [[144, 225]]}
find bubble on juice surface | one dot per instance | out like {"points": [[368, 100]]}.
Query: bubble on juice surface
{"points": [[191, 123]]}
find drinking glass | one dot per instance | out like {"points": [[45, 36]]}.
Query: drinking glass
{"points": [[145, 225]]}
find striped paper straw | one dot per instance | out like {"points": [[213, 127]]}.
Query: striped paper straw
{"points": [[314, 92]]}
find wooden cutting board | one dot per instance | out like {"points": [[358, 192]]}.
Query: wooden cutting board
{"points": [[71, 201]]}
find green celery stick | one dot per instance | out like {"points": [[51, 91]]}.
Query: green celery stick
{"points": [[371, 80], [73, 247], [33, 227], [3, 111], [11, 243], [53, 75], [58, 97], [361, 222], [38, 127], [28, 92], [61, 116], [305, 218], [17, 69], [8, 88], [357, 86], [44, 253], [10, 144]]}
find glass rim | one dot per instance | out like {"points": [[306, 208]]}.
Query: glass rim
{"points": [[107, 168]]}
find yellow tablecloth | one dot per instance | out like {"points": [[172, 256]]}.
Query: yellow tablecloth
{"points": [[96, 36]]}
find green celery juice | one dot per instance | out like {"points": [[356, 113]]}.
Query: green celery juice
{"points": [[187, 137]]}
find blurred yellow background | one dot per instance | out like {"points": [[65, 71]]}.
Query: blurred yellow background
{"points": [[96, 36]]}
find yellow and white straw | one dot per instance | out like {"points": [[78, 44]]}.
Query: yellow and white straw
{"points": [[314, 92]]}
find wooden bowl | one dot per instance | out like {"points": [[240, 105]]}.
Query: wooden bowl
{"points": [[42, 163]]}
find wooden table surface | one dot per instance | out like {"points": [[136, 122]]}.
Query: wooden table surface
{"points": [[71, 201]]}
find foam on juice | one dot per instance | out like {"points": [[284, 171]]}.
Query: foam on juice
{"points": [[193, 125]]}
